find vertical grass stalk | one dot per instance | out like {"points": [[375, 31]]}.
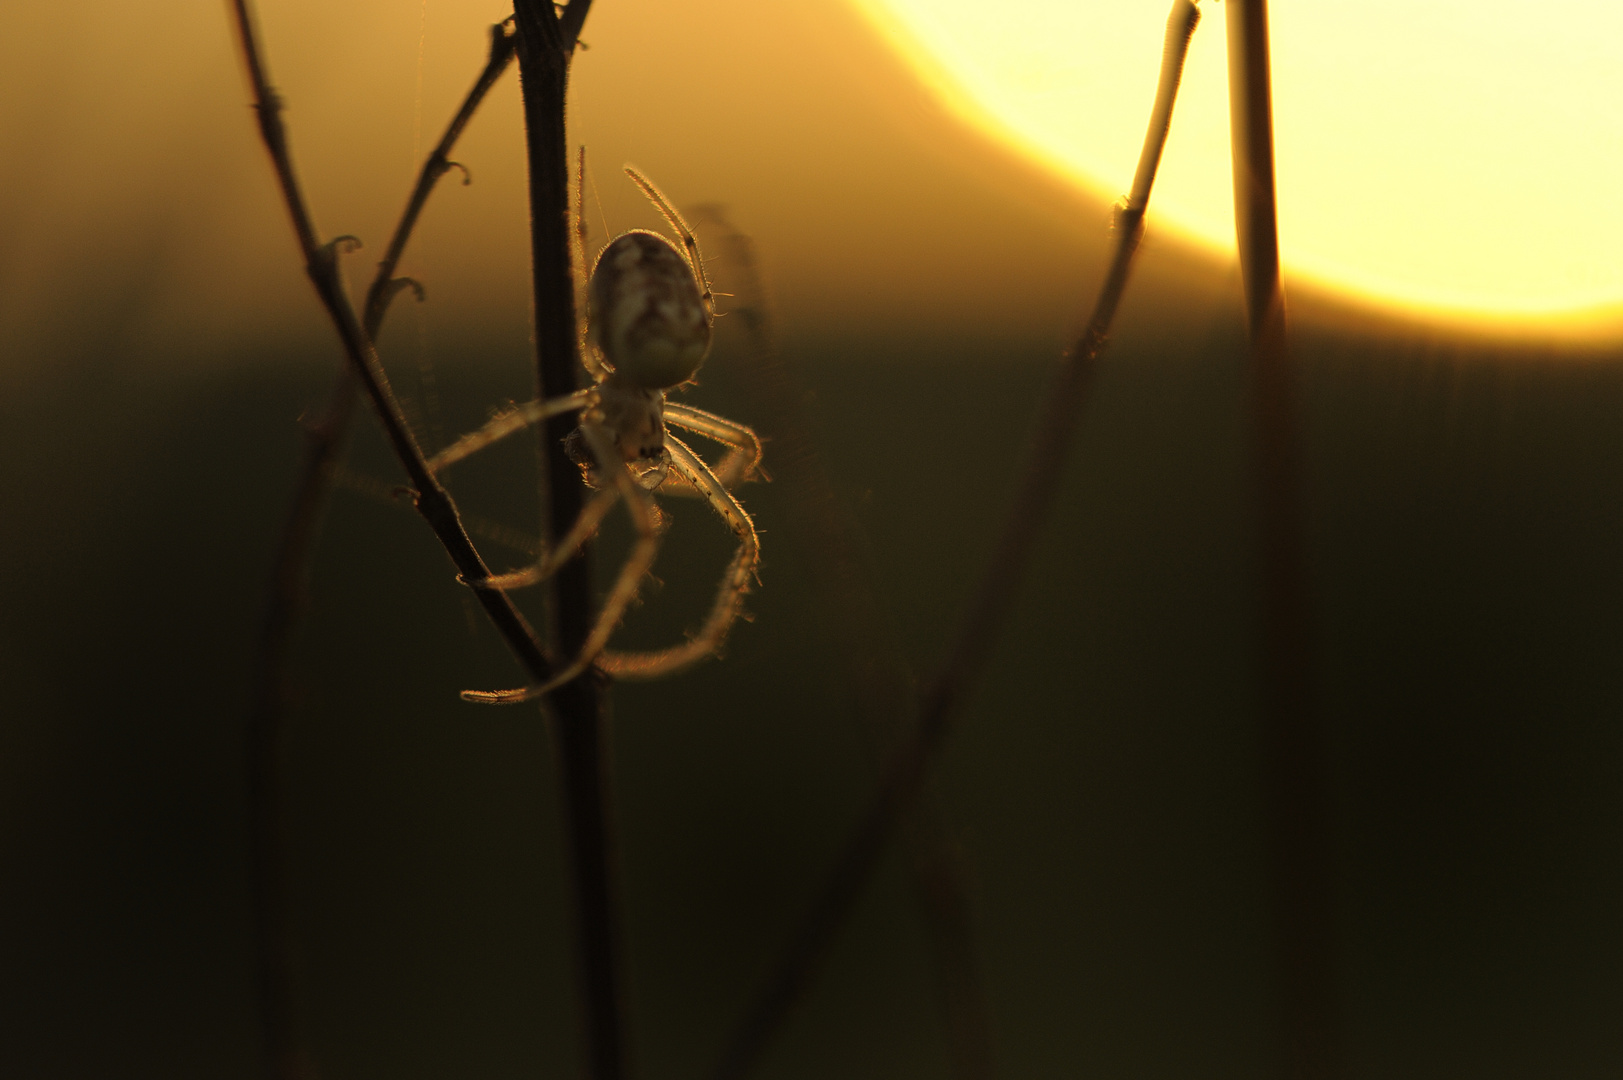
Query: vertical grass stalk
{"points": [[1299, 832], [578, 709]]}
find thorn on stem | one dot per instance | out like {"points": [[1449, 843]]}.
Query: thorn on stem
{"points": [[1124, 215], [341, 245], [396, 285]]}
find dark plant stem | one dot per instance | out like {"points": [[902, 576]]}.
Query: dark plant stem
{"points": [[943, 697], [579, 709], [1293, 742], [286, 1057], [432, 501], [385, 286], [880, 679], [940, 880], [321, 264]]}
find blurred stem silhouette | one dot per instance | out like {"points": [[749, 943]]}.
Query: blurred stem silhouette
{"points": [[1293, 751], [939, 703], [881, 682], [545, 38]]}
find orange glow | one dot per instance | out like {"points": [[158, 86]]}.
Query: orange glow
{"points": [[867, 200]]}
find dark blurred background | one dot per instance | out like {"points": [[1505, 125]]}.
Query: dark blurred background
{"points": [[1102, 796]]}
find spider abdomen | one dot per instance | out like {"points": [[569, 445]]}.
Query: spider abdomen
{"points": [[646, 311]]}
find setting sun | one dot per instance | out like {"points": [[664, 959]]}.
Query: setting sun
{"points": [[1450, 155]]}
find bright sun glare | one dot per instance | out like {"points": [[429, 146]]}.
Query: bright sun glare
{"points": [[1458, 154]]}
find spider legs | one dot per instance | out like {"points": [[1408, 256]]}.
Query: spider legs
{"points": [[503, 425], [585, 527], [517, 419], [735, 583], [690, 244], [743, 460], [620, 484], [644, 518]]}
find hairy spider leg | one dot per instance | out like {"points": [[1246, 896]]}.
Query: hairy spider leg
{"points": [[644, 517], [743, 460], [591, 515], [735, 583], [504, 424], [690, 243], [585, 527]]}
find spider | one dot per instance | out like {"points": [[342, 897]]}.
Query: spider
{"points": [[649, 316]]}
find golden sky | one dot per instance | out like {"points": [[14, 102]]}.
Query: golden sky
{"points": [[138, 190], [143, 188]]}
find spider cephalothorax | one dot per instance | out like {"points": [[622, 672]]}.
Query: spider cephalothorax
{"points": [[649, 318], [635, 418]]}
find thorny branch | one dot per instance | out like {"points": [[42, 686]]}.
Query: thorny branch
{"points": [[322, 266], [1299, 828], [385, 286], [941, 700], [432, 501], [287, 593]]}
